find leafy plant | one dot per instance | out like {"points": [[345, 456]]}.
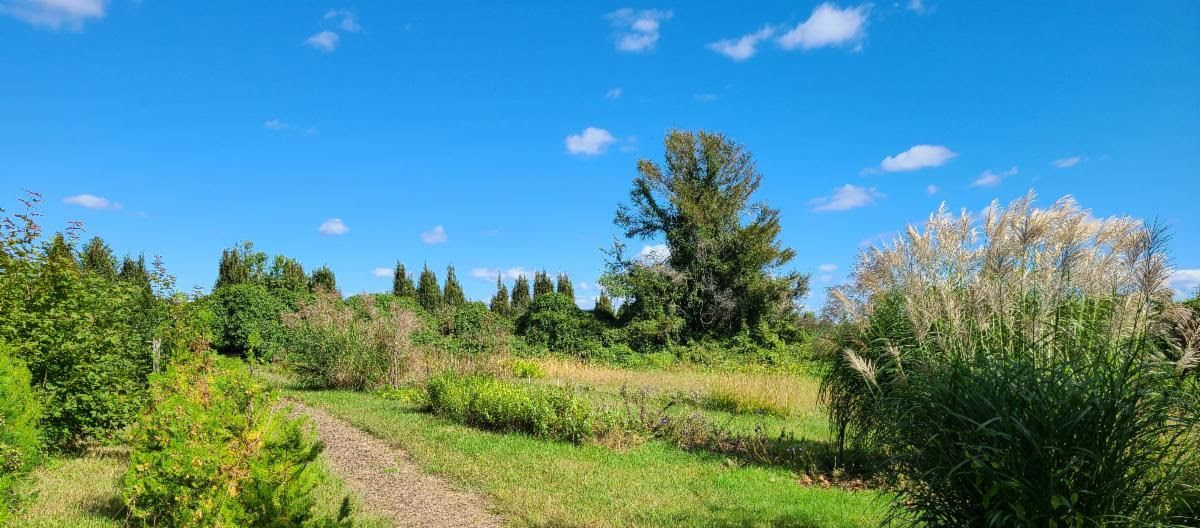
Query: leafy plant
{"points": [[487, 402], [20, 432]]}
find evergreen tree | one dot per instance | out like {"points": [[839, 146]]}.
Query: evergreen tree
{"points": [[604, 309], [499, 304], [242, 265], [98, 258], [59, 251], [402, 285], [520, 294], [428, 294], [287, 275], [322, 280], [542, 284], [452, 294], [564, 285], [135, 271]]}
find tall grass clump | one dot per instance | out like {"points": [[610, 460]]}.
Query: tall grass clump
{"points": [[332, 344], [213, 450], [1014, 370]]}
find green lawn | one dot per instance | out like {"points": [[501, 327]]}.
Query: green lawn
{"points": [[535, 482]]}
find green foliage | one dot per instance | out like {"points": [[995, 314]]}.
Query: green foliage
{"points": [[520, 294], [603, 311], [739, 403], [542, 284], [477, 330], [553, 321], [481, 401], [98, 258], [564, 286], [287, 280], [722, 273], [429, 295], [213, 450], [499, 304], [20, 433], [402, 285], [525, 369], [452, 293], [322, 281], [245, 317], [241, 264]]}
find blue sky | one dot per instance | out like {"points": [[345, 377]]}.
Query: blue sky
{"points": [[497, 136]]}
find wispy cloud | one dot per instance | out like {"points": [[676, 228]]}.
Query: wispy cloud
{"points": [[55, 14], [614, 93], [654, 253], [989, 178], [845, 198], [704, 97], [1066, 162], [917, 6], [591, 142], [918, 157], [276, 124], [637, 31], [326, 41], [381, 272], [91, 201], [931, 189], [506, 274], [1185, 281], [828, 26], [333, 227], [437, 235], [744, 47], [827, 268], [344, 19]]}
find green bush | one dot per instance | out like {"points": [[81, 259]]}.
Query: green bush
{"points": [[20, 435], [214, 450], [489, 403], [245, 319], [524, 368], [554, 321]]}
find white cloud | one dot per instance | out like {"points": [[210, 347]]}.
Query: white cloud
{"points": [[1185, 281], [916, 5], [91, 201], [382, 272], [846, 197], [931, 189], [991, 179], [1066, 162], [828, 26], [827, 268], [437, 235], [508, 274], [744, 47], [638, 31], [918, 157], [333, 226], [591, 142], [654, 253], [614, 93], [344, 19], [276, 124], [325, 41], [826, 278], [55, 14], [704, 98]]}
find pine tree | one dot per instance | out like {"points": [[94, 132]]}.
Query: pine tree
{"points": [[428, 294], [59, 252], [499, 304], [402, 285], [520, 294], [452, 294], [604, 309], [98, 258], [135, 271], [322, 280], [542, 284], [564, 285]]}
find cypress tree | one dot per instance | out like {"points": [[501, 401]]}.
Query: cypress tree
{"points": [[542, 284], [564, 285], [287, 274], [241, 265], [604, 310], [402, 285], [452, 294], [135, 271], [58, 251], [428, 294], [98, 258], [520, 294], [499, 304], [322, 280]]}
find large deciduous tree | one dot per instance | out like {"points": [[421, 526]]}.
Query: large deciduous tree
{"points": [[724, 268]]}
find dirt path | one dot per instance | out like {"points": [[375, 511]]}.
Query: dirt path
{"points": [[389, 483]]}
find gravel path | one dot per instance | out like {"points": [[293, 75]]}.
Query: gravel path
{"points": [[390, 484]]}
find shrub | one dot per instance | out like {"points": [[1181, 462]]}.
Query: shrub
{"points": [[524, 368], [555, 322], [489, 403], [738, 403], [245, 319], [332, 344], [213, 449], [20, 435]]}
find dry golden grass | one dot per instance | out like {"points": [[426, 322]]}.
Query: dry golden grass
{"points": [[795, 392]]}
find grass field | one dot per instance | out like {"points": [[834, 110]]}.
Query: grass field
{"points": [[535, 482]]}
